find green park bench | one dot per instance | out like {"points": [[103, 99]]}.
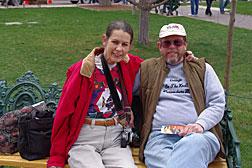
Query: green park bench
{"points": [[27, 91]]}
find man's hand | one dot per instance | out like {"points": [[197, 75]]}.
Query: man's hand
{"points": [[190, 56], [197, 128]]}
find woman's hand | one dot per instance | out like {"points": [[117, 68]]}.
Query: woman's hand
{"points": [[132, 119], [190, 56], [131, 122]]}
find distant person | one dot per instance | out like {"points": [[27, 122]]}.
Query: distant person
{"points": [[173, 5], [158, 9], [223, 7], [164, 7], [125, 2], [10, 2], [194, 11], [208, 9]]}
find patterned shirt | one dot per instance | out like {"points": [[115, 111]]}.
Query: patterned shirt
{"points": [[101, 104]]}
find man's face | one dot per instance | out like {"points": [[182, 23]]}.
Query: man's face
{"points": [[172, 49], [116, 46]]}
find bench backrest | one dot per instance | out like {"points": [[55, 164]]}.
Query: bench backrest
{"points": [[27, 91]]}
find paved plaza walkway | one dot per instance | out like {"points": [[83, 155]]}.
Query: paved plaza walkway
{"points": [[242, 21]]}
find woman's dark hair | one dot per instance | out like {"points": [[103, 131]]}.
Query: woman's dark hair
{"points": [[119, 25]]}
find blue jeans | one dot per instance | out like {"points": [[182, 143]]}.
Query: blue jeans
{"points": [[172, 151], [164, 8], [194, 12], [125, 2], [225, 5]]}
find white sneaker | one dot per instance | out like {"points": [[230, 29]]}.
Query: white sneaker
{"points": [[191, 14]]}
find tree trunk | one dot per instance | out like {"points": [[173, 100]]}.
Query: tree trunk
{"points": [[143, 26], [229, 48], [105, 2], [144, 7]]}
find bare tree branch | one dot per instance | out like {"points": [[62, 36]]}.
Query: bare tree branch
{"points": [[161, 3], [153, 1]]}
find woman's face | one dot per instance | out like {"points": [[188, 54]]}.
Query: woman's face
{"points": [[116, 46]]}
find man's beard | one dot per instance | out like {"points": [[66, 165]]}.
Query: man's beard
{"points": [[173, 61]]}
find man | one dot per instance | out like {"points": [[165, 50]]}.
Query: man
{"points": [[222, 7], [208, 9], [175, 92], [194, 3]]}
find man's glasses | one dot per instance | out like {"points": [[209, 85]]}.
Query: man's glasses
{"points": [[176, 42]]}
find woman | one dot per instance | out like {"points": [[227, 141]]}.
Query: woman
{"points": [[87, 131]]}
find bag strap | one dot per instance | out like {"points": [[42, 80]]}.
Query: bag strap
{"points": [[127, 108], [47, 111], [124, 91], [111, 84], [34, 113]]}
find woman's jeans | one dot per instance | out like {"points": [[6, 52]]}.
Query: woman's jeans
{"points": [[194, 150], [196, 3]]}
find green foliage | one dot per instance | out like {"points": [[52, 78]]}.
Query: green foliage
{"points": [[63, 36]]}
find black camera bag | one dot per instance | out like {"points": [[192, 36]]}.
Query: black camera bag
{"points": [[35, 131]]}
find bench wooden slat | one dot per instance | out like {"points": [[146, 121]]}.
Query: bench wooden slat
{"points": [[218, 163], [16, 160], [135, 151]]}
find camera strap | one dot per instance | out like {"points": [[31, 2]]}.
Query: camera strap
{"points": [[111, 84]]}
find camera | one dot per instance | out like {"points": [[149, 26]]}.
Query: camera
{"points": [[129, 137]]}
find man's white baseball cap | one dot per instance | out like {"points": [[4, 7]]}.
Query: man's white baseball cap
{"points": [[172, 29]]}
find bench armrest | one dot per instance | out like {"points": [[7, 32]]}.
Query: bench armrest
{"points": [[230, 141]]}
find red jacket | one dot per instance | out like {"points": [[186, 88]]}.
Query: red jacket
{"points": [[74, 102]]}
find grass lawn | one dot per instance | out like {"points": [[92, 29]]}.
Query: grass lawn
{"points": [[63, 36], [242, 7]]}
